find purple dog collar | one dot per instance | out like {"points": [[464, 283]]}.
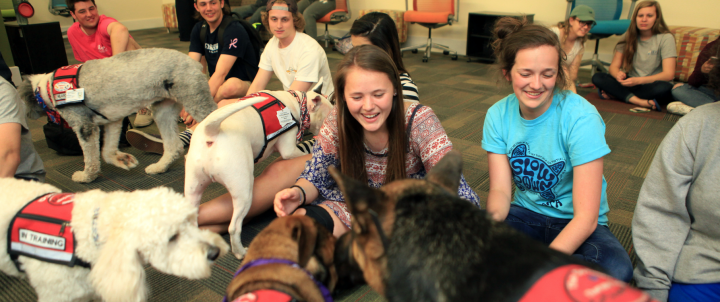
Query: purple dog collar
{"points": [[263, 261]]}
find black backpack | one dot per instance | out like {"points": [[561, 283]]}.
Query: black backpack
{"points": [[252, 33]]}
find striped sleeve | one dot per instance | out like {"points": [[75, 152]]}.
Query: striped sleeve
{"points": [[410, 91]]}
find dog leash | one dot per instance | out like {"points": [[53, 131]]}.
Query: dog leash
{"points": [[263, 261]]}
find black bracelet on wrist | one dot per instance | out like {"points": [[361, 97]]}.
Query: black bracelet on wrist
{"points": [[303, 192]]}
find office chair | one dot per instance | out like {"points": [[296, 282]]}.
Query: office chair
{"points": [[432, 14], [341, 13]]}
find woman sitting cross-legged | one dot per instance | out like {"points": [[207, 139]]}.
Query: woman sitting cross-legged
{"points": [[372, 135], [644, 61]]}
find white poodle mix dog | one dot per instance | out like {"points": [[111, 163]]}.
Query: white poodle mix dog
{"points": [[226, 145], [164, 80], [116, 233]]}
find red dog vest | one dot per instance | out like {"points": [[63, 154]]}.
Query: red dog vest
{"points": [[42, 230], [275, 118], [265, 295], [64, 79], [575, 283]]}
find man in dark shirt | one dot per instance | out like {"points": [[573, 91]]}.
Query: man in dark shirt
{"points": [[231, 68]]}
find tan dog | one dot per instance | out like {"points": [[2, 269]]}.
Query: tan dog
{"points": [[298, 239]]}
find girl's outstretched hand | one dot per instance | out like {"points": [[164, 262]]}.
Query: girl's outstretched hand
{"points": [[286, 201]]}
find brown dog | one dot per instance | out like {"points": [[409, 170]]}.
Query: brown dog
{"points": [[299, 239], [415, 240]]}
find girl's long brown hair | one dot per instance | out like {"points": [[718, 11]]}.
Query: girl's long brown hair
{"points": [[351, 150], [631, 37]]}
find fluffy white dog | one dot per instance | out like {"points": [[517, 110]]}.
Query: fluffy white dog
{"points": [[116, 233], [227, 143], [164, 80]]}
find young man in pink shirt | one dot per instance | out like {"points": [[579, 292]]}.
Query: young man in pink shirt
{"points": [[96, 36]]}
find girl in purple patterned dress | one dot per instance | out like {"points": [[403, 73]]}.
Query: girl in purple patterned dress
{"points": [[371, 135]]}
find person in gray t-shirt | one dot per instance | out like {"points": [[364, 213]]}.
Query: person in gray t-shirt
{"points": [[644, 61], [18, 157]]}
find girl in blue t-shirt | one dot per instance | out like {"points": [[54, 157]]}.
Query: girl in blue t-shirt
{"points": [[551, 144]]}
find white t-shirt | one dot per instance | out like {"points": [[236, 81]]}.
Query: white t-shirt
{"points": [[303, 60], [573, 52]]}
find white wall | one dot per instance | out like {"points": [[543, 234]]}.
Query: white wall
{"points": [[135, 14], [702, 13]]}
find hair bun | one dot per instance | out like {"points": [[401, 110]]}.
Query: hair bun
{"points": [[506, 26]]}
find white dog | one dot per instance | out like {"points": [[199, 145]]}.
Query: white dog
{"points": [[229, 141], [164, 80], [116, 233]]}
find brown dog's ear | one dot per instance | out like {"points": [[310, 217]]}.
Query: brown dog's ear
{"points": [[359, 196], [447, 172], [303, 231]]}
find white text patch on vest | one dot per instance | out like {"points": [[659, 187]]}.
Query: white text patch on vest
{"points": [[43, 240]]}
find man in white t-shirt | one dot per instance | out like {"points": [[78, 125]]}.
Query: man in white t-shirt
{"points": [[297, 59]]}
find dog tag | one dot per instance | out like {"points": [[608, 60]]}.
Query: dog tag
{"points": [[284, 117], [75, 95]]}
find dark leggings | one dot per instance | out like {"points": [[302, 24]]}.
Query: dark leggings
{"points": [[658, 90]]}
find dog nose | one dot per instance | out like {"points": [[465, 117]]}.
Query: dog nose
{"points": [[213, 253]]}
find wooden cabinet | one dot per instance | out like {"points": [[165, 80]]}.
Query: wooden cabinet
{"points": [[480, 34]]}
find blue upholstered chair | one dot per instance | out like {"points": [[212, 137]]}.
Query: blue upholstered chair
{"points": [[59, 8], [607, 16]]}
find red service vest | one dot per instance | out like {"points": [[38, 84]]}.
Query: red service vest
{"points": [[272, 126], [42, 230], [64, 79], [263, 295], [576, 283]]}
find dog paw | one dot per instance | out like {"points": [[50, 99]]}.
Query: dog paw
{"points": [[239, 252], [155, 169], [82, 177], [124, 160]]}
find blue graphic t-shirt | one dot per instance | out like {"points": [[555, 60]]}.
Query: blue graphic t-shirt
{"points": [[236, 42], [542, 152]]}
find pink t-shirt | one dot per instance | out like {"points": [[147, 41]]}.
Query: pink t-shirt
{"points": [[95, 46]]}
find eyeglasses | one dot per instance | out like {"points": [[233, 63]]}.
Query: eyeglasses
{"points": [[586, 23]]}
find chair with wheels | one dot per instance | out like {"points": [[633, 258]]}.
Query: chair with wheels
{"points": [[607, 16], [432, 14], [340, 14]]}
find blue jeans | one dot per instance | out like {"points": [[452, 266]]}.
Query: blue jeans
{"points": [[601, 247], [694, 97], [680, 292]]}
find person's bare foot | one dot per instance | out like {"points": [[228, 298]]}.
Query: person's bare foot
{"points": [[643, 103], [605, 95]]}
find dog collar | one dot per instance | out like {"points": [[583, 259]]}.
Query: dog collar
{"points": [[304, 115], [264, 261]]}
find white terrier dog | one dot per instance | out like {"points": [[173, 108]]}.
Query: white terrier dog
{"points": [[227, 144], [116, 233]]}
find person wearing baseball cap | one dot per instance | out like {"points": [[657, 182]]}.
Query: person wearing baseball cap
{"points": [[573, 34], [297, 59]]}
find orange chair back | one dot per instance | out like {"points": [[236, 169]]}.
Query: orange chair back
{"points": [[341, 5], [435, 6]]}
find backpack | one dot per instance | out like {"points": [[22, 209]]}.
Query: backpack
{"points": [[255, 40], [65, 142]]}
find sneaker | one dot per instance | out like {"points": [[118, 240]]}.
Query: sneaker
{"points": [[679, 108], [145, 141], [143, 118]]}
